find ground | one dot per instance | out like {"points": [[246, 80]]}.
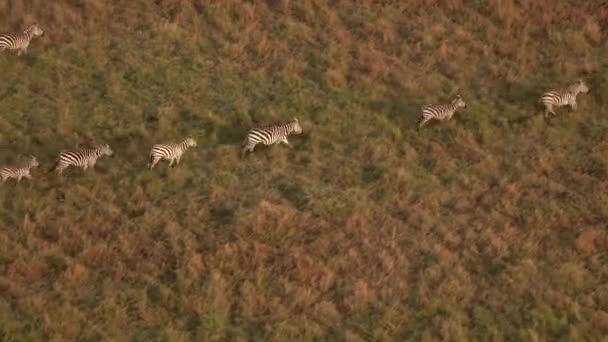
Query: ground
{"points": [[489, 226]]}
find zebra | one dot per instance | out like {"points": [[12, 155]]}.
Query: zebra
{"points": [[441, 112], [171, 152], [564, 97], [18, 171], [84, 158], [19, 41], [270, 135]]}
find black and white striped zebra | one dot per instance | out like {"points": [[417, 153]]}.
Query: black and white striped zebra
{"points": [[84, 158], [564, 97], [270, 135], [19, 170], [171, 152], [440, 112], [19, 40]]}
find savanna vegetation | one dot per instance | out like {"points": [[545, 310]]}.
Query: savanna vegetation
{"points": [[491, 226]]}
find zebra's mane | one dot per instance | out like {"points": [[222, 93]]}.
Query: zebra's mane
{"points": [[29, 29], [182, 144], [452, 105], [23, 163], [288, 126], [96, 149]]}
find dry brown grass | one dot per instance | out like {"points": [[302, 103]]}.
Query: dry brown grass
{"points": [[489, 226]]}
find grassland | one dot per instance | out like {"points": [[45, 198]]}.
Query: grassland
{"points": [[491, 226]]}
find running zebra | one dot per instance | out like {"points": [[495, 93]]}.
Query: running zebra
{"points": [[441, 112], [564, 97], [84, 158], [19, 170], [171, 152], [270, 135], [19, 41]]}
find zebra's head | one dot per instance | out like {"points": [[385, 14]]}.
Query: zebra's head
{"points": [[295, 125], [581, 87], [33, 162], [105, 150], [190, 142], [35, 30], [458, 102]]}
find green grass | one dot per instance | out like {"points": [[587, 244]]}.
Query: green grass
{"points": [[489, 226]]}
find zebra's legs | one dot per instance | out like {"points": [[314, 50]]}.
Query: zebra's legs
{"points": [[423, 122], [153, 162], [284, 141], [247, 148], [4, 179], [549, 110], [171, 162]]}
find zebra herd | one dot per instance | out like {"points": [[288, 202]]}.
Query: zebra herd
{"points": [[86, 158], [549, 100], [270, 135]]}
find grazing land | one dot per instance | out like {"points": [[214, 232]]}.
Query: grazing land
{"points": [[490, 226]]}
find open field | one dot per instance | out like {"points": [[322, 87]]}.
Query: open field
{"points": [[491, 226]]}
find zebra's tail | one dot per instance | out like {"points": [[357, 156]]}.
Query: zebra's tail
{"points": [[244, 146], [150, 161], [540, 107], [418, 122], [54, 167]]}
